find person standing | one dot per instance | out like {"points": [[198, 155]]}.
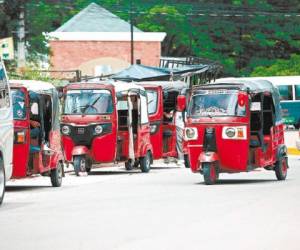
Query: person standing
{"points": [[179, 123]]}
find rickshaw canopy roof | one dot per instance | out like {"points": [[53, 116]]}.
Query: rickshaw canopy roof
{"points": [[38, 88], [33, 85], [169, 86], [253, 85], [119, 86], [126, 86]]}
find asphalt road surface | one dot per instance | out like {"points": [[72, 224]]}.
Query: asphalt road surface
{"points": [[169, 208]]}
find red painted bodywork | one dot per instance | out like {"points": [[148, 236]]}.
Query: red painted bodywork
{"points": [[232, 155], [162, 148], [104, 147], [21, 154]]}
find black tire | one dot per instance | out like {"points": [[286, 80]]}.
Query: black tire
{"points": [[2, 181], [129, 165], [210, 173], [186, 161], [88, 166], [79, 164], [281, 167], [56, 175], [145, 162]]}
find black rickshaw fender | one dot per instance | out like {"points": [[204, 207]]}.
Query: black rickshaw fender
{"points": [[281, 152]]}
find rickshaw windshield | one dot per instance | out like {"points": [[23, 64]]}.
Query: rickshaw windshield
{"points": [[19, 107], [216, 103], [88, 102], [152, 101]]}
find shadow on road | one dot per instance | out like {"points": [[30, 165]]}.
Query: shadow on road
{"points": [[165, 168], [240, 181], [115, 172], [24, 188]]}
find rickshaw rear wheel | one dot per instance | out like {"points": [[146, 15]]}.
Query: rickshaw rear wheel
{"points": [[210, 173], [145, 162], [281, 167], [56, 175], [186, 161], [2, 181], [79, 164]]}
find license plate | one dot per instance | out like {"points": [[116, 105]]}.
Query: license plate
{"points": [[80, 131]]}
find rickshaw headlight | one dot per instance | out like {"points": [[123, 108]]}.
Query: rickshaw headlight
{"points": [[191, 134], [230, 132], [65, 130], [153, 128], [98, 129]]}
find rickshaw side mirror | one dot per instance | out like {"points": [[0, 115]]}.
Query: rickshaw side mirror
{"points": [[181, 100], [242, 98]]}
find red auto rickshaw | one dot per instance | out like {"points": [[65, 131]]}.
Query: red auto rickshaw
{"points": [[37, 148], [235, 126], [162, 108], [106, 122]]}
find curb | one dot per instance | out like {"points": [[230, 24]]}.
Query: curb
{"points": [[293, 151]]}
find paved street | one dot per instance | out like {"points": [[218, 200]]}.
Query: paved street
{"points": [[169, 208]]}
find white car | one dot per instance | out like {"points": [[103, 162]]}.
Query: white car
{"points": [[298, 141], [6, 131]]}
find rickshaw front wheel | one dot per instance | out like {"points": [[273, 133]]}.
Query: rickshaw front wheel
{"points": [[56, 175], [281, 167], [145, 162], [210, 172], [2, 180]]}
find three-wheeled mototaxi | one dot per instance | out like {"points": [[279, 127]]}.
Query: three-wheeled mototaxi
{"points": [[235, 126], [37, 148], [106, 122], [162, 107]]}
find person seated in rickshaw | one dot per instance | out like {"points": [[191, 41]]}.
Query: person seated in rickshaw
{"points": [[35, 126]]}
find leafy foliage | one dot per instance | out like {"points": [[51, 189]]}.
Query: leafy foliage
{"points": [[280, 68]]}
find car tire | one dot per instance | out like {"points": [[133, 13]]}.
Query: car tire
{"points": [[2, 181], [145, 162], [56, 175], [186, 161], [281, 167], [79, 164], [210, 173]]}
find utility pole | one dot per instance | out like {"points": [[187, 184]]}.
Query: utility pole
{"points": [[21, 38], [131, 34]]}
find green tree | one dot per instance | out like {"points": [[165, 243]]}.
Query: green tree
{"points": [[280, 67]]}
